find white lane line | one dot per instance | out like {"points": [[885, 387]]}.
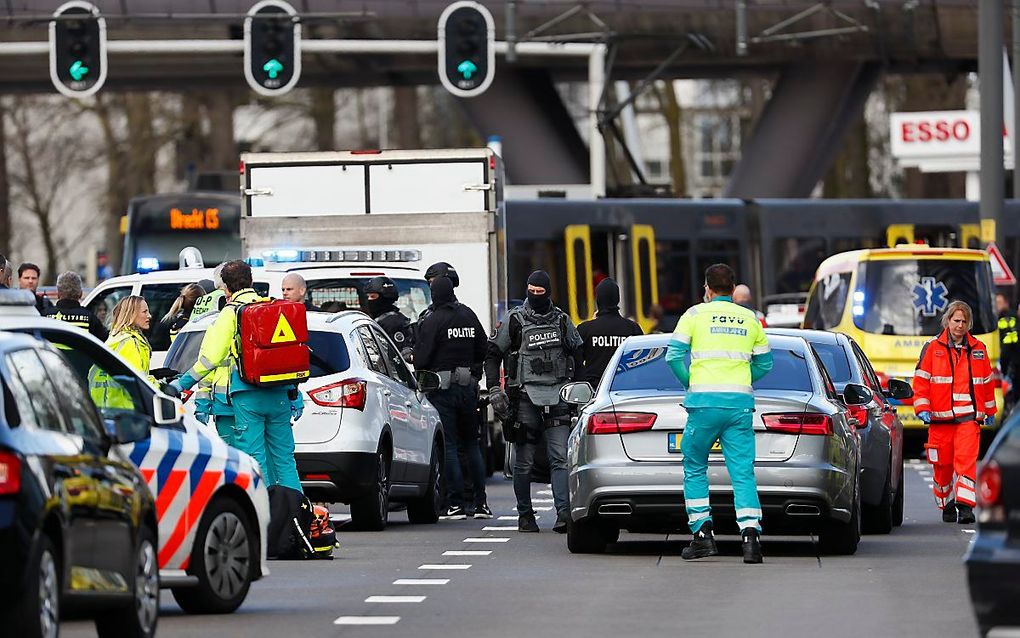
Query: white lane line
{"points": [[545, 492], [467, 552], [395, 599], [367, 620], [541, 500], [487, 540], [499, 528], [543, 509], [443, 566], [421, 581], [969, 531]]}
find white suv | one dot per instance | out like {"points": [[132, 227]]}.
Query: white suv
{"points": [[367, 435]]}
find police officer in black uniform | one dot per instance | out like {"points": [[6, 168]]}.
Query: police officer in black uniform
{"points": [[381, 298], [439, 269], [1009, 343], [603, 334], [68, 307], [542, 349], [451, 341]]}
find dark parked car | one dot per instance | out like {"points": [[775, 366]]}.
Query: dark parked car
{"points": [[77, 521], [879, 428], [993, 560]]}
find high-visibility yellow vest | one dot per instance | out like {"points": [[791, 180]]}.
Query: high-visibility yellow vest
{"points": [[722, 337]]}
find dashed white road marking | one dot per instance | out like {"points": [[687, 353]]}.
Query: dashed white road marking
{"points": [[441, 566], [969, 531], [467, 552], [499, 528], [367, 620], [543, 509], [545, 492], [421, 581], [493, 539], [395, 599], [542, 500]]}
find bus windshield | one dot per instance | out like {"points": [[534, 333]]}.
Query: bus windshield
{"points": [[906, 297], [159, 226]]}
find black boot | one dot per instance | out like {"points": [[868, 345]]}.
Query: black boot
{"points": [[702, 545], [966, 513], [527, 523], [752, 546], [949, 512]]}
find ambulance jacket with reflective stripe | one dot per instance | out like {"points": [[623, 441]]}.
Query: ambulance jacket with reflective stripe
{"points": [[954, 383], [728, 350], [134, 348], [219, 346]]}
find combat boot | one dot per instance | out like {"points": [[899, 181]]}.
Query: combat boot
{"points": [[751, 546], [703, 544], [966, 513], [527, 523]]}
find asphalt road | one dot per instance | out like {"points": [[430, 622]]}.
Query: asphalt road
{"points": [[909, 583]]}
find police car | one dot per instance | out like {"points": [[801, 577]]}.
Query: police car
{"points": [[211, 502], [331, 286]]}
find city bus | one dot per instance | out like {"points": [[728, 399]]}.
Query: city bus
{"points": [[158, 226]]}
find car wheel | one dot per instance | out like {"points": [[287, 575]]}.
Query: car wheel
{"points": [[223, 559], [137, 620], [426, 508], [879, 518], [587, 537], [371, 512], [897, 506], [36, 614], [843, 538]]}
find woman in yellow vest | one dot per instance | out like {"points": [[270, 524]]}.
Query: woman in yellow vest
{"points": [[130, 317]]}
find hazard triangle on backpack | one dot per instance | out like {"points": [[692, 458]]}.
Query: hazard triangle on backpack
{"points": [[273, 344], [1001, 273]]}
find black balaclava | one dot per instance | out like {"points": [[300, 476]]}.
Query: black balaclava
{"points": [[540, 303], [442, 291], [607, 297]]}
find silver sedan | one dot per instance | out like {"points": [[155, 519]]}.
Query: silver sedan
{"points": [[626, 468]]}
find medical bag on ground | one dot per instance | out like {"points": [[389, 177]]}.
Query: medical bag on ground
{"points": [[273, 343], [322, 536]]}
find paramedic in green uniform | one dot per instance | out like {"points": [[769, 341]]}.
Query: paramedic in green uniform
{"points": [[728, 351]]}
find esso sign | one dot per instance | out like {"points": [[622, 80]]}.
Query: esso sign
{"points": [[934, 134]]}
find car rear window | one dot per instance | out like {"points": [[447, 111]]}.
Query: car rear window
{"points": [[835, 361], [329, 352], [646, 369]]}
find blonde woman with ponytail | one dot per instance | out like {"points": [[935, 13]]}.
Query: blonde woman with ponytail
{"points": [[130, 317], [180, 311]]}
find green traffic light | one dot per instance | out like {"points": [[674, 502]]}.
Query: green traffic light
{"points": [[273, 67], [467, 68], [78, 70]]}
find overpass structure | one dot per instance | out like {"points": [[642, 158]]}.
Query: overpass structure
{"points": [[826, 58]]}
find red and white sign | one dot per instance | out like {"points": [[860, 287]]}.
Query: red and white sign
{"points": [[939, 140], [1001, 273]]}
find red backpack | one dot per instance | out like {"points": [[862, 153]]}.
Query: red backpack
{"points": [[272, 343]]}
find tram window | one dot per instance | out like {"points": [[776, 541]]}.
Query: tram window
{"points": [[798, 259], [673, 261], [826, 305], [581, 282], [527, 256], [716, 251], [844, 244]]}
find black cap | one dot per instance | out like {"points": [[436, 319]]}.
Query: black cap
{"points": [[384, 287], [442, 269]]}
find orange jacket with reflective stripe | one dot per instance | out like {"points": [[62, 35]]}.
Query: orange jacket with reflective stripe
{"points": [[954, 384]]}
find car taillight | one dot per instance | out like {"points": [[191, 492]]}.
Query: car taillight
{"points": [[860, 413], [10, 473], [989, 488], [349, 393], [620, 422], [798, 423]]}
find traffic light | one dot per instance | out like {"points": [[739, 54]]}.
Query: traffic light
{"points": [[77, 49], [272, 47], [467, 53]]}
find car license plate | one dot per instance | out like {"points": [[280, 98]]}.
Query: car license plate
{"points": [[673, 443]]}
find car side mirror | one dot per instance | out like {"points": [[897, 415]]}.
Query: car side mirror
{"points": [[579, 393], [856, 394], [899, 390], [428, 381], [168, 410], [128, 427]]}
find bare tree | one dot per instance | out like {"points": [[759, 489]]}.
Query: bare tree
{"points": [[5, 191]]}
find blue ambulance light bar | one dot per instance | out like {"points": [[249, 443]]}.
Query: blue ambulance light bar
{"points": [[147, 264], [333, 255]]}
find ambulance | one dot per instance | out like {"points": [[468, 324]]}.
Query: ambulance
{"points": [[890, 300]]}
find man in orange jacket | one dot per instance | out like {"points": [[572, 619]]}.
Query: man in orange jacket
{"points": [[954, 395]]}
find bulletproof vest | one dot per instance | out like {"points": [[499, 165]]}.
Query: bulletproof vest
{"points": [[543, 364], [398, 329]]}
